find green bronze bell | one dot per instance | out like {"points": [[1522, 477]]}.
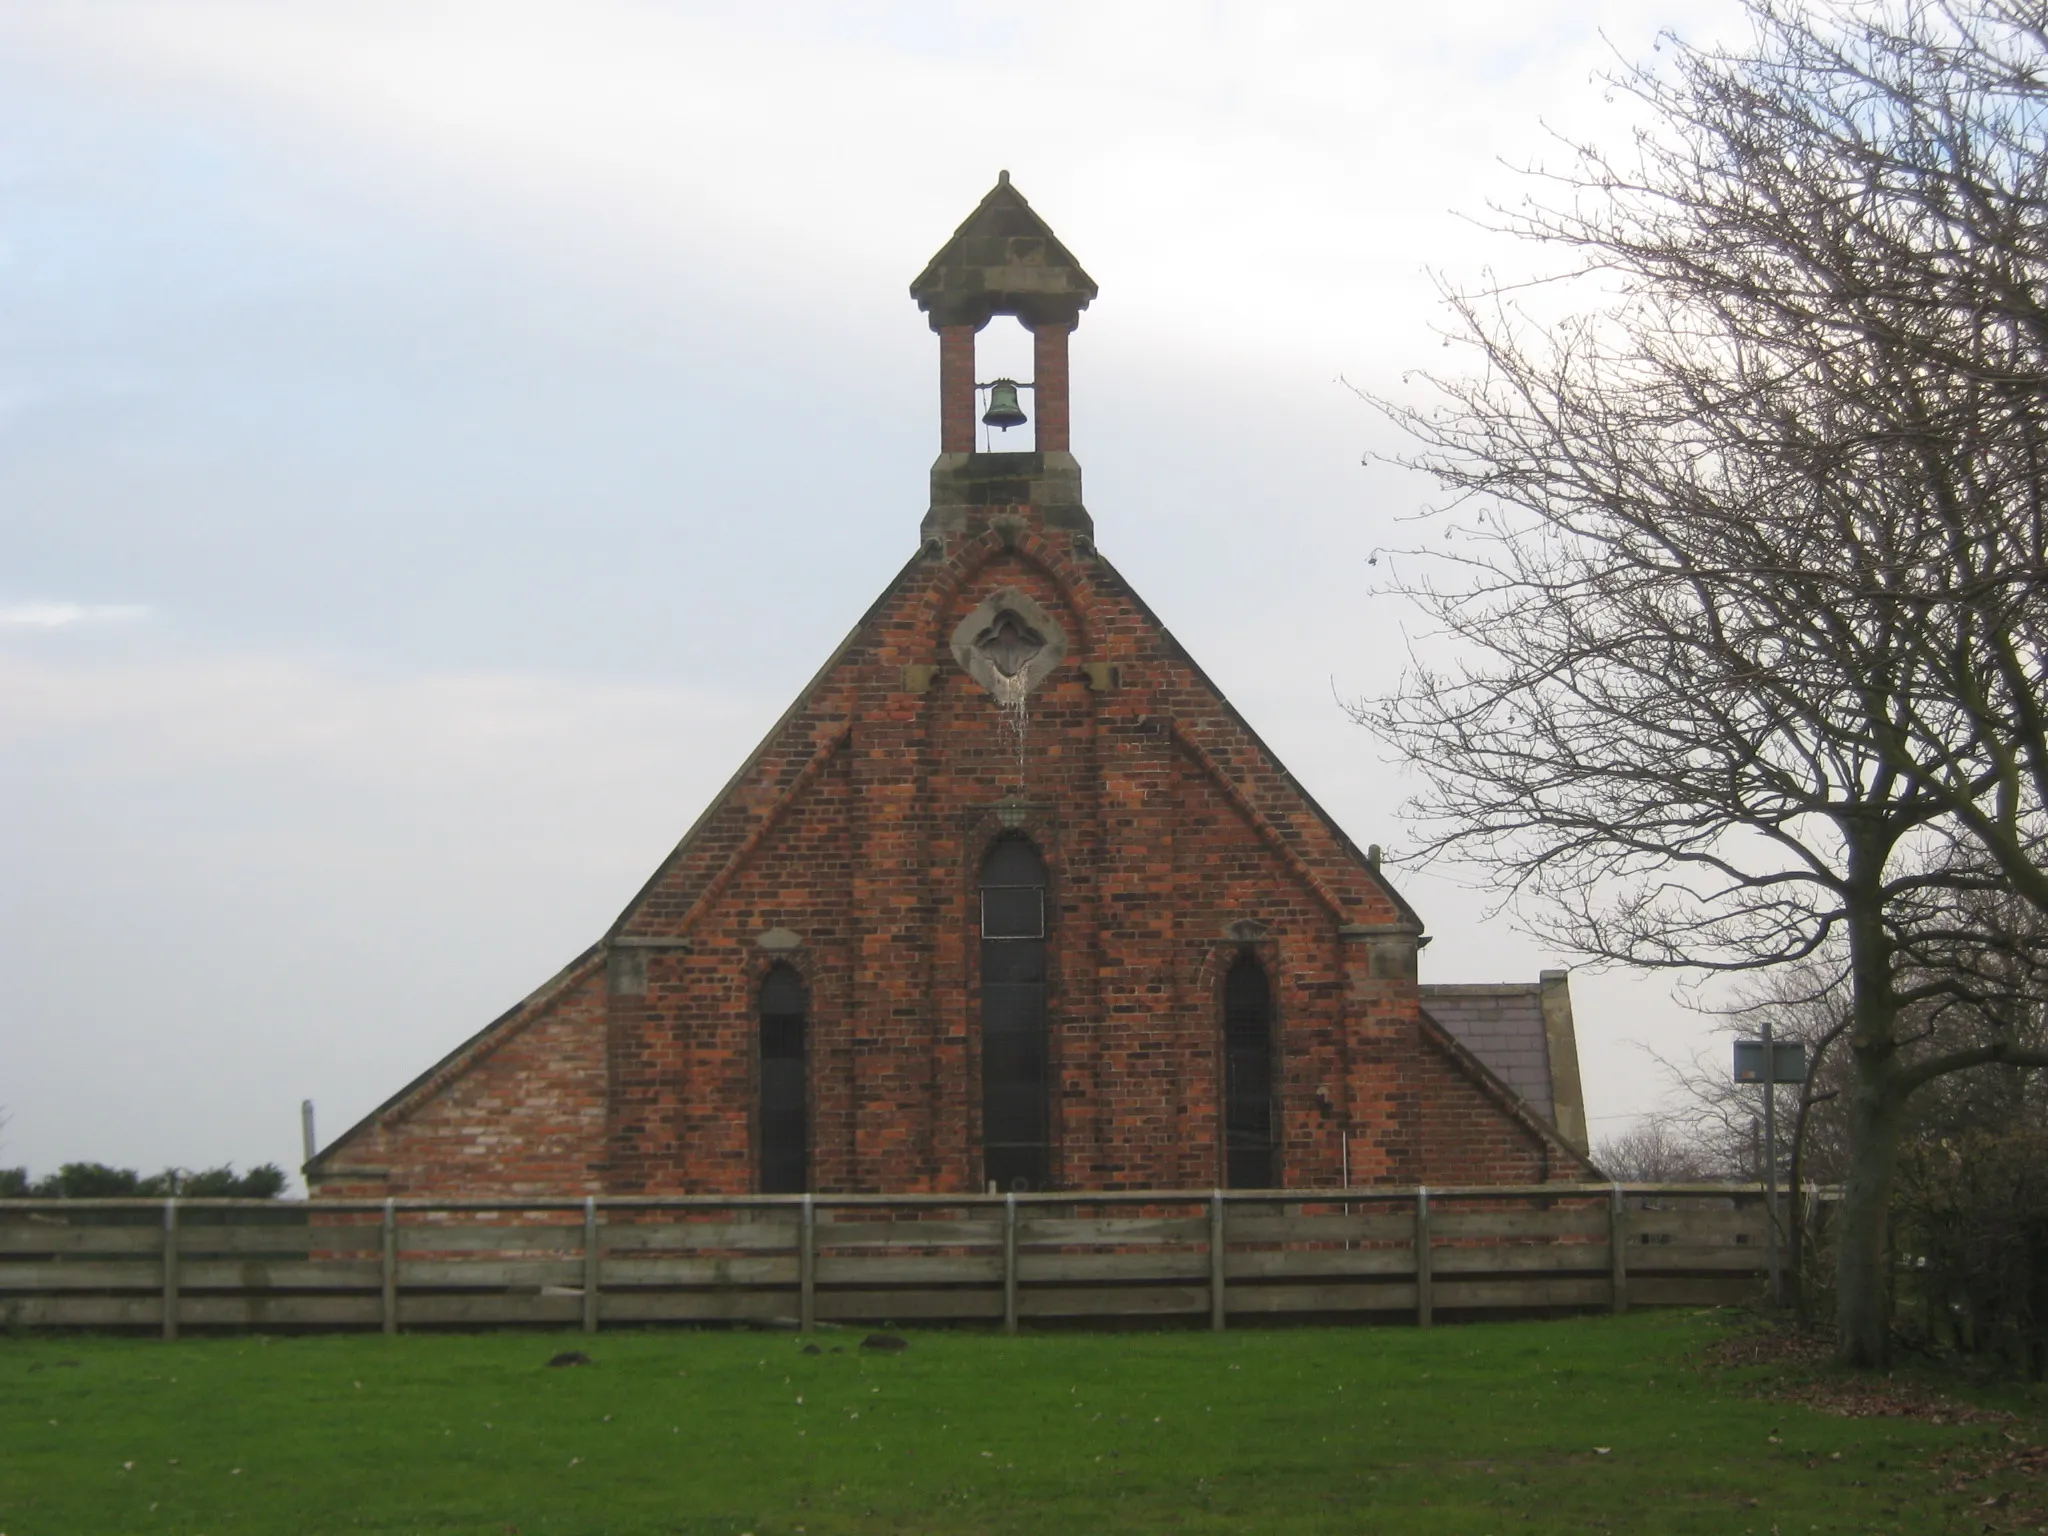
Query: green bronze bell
{"points": [[1003, 410]]}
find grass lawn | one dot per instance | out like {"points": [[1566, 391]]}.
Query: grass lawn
{"points": [[1591, 1424]]}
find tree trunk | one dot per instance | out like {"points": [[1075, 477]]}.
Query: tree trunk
{"points": [[1877, 1103], [1862, 1266], [1796, 1260]]}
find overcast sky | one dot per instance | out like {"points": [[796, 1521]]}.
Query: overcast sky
{"points": [[438, 439]]}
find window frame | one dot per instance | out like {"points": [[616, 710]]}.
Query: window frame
{"points": [[771, 1164], [1001, 1160], [1229, 1149]]}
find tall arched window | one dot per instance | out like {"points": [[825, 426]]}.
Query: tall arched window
{"points": [[785, 1140], [1014, 1151], [1248, 1119]]}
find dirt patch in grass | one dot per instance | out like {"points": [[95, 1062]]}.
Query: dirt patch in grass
{"points": [[2002, 1478], [1797, 1362]]}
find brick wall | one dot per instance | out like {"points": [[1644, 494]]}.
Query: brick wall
{"points": [[521, 1112], [1467, 1139], [850, 848]]}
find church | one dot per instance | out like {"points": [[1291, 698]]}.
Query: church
{"points": [[1010, 898]]}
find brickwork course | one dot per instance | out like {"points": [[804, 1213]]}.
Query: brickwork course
{"points": [[849, 848]]}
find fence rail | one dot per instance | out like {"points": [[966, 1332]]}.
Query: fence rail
{"points": [[796, 1260]]}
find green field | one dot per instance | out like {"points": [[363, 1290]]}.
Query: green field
{"points": [[1605, 1424]]}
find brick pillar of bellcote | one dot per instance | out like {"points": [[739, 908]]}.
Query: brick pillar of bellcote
{"points": [[956, 388], [1049, 372]]}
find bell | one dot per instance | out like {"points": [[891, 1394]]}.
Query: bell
{"points": [[1003, 410]]}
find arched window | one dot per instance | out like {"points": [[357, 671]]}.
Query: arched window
{"points": [[785, 1140], [1014, 1151], [1248, 1119]]}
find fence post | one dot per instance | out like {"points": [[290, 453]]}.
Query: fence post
{"points": [[1010, 1262], [1216, 1250], [171, 1267], [1425, 1300], [807, 1266], [1617, 1247], [390, 1266], [590, 1263]]}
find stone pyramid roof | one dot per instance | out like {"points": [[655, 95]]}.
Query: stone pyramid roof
{"points": [[1003, 260]]}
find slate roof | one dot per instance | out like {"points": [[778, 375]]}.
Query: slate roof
{"points": [[1502, 1024]]}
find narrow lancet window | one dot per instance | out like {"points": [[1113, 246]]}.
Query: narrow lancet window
{"points": [[785, 1138], [1014, 1075], [1248, 1119]]}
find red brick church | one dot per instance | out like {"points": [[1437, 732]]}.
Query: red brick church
{"points": [[1010, 896]]}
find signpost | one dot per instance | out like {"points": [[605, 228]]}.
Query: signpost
{"points": [[1770, 1063], [1788, 1064]]}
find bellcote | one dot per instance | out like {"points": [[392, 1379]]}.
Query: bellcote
{"points": [[1004, 260]]}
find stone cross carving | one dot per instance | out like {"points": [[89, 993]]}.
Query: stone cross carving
{"points": [[1009, 644]]}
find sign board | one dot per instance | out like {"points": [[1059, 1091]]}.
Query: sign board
{"points": [[1789, 1062]]}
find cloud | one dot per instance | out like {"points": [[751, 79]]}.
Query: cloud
{"points": [[287, 721], [66, 615], [1270, 169]]}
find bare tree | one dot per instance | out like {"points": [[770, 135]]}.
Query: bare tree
{"points": [[1745, 597], [1656, 1151]]}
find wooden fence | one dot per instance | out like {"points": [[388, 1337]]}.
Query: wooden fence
{"points": [[796, 1260]]}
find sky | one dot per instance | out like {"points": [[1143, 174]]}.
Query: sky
{"points": [[438, 439]]}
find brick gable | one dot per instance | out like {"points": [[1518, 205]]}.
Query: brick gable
{"points": [[849, 844]]}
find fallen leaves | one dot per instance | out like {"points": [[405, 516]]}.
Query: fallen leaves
{"points": [[1803, 1359], [1804, 1374]]}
